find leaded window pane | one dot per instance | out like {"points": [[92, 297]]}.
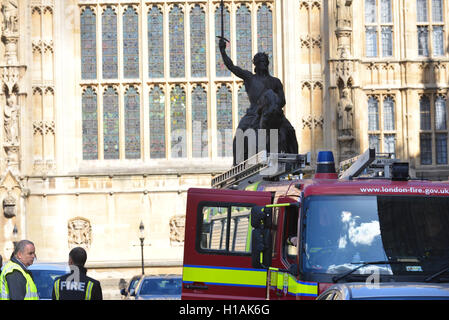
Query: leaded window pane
{"points": [[441, 148], [387, 41], [426, 148], [386, 13], [371, 42], [224, 122], [130, 43], [370, 11], [374, 142], [421, 10], [388, 114], [389, 143], [109, 41], [440, 114], [88, 44], [90, 124], [265, 32], [221, 69], [176, 40], [155, 44], [423, 41], [424, 105], [244, 41], [132, 124], [157, 123], [198, 41], [178, 122], [373, 114], [110, 124], [438, 41], [243, 102], [437, 10], [199, 123]]}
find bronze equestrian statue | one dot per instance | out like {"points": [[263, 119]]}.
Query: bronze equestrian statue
{"points": [[266, 108]]}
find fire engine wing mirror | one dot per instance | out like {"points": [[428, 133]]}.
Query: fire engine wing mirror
{"points": [[261, 237]]}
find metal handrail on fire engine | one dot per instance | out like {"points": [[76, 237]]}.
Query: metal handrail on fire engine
{"points": [[368, 164], [261, 166]]}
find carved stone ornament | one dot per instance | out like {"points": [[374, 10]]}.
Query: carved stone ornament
{"points": [[9, 206], [177, 228], [79, 233]]}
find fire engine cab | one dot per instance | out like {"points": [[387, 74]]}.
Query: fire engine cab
{"points": [[265, 232]]}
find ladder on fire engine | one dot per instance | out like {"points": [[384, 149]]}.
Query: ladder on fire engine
{"points": [[369, 165], [261, 166]]}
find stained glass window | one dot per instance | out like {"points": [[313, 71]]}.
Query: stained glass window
{"points": [[176, 39], [199, 123], [132, 124], [243, 40], [90, 124], [110, 124], [424, 105], [178, 122], [130, 43], [243, 102], [157, 123], [265, 32], [198, 41], [88, 44], [155, 43], [221, 69], [224, 122], [109, 40]]}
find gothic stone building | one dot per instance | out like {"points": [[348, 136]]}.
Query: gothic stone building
{"points": [[113, 109]]}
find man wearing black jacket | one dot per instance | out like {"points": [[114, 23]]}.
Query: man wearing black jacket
{"points": [[76, 285]]}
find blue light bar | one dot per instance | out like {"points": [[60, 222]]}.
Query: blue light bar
{"points": [[325, 157]]}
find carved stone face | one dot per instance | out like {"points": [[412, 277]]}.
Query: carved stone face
{"points": [[9, 206]]}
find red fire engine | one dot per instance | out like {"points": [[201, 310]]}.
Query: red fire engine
{"points": [[264, 232]]}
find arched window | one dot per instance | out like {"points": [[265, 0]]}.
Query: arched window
{"points": [[155, 43], [176, 39], [198, 41], [132, 124], [224, 122], [130, 43], [178, 122], [221, 70], [109, 40], [388, 113], [424, 106], [199, 123], [373, 114], [265, 32], [157, 123], [243, 40], [88, 44], [90, 124], [110, 124]]}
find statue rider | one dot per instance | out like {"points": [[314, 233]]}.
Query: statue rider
{"points": [[255, 85]]}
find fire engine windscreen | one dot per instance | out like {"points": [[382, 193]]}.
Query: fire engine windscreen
{"points": [[342, 232]]}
